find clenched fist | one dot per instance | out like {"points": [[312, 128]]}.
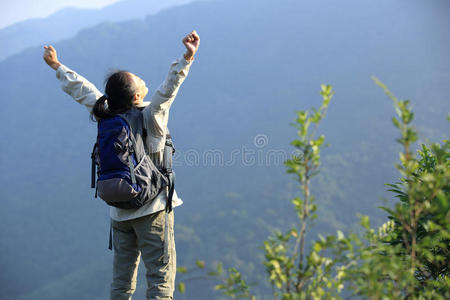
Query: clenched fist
{"points": [[191, 42], [51, 58]]}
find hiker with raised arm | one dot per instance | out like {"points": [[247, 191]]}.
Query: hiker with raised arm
{"points": [[132, 160]]}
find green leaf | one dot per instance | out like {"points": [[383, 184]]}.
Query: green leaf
{"points": [[294, 233], [396, 122], [317, 247], [181, 288], [320, 141], [276, 265], [365, 222], [388, 210], [298, 143], [314, 258], [200, 264], [219, 268], [181, 269]]}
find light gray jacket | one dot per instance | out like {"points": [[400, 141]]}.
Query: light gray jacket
{"points": [[156, 116]]}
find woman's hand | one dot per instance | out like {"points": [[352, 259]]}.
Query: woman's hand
{"points": [[191, 42], [51, 58]]}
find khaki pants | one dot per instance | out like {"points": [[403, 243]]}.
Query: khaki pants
{"points": [[143, 236]]}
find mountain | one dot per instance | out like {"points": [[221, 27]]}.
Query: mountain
{"points": [[66, 23], [259, 62]]}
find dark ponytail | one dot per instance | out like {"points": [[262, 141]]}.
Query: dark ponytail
{"points": [[120, 89], [100, 111]]}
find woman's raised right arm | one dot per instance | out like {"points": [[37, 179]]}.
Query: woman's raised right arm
{"points": [[78, 87]]}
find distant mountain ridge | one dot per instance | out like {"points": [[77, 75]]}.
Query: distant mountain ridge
{"points": [[66, 22]]}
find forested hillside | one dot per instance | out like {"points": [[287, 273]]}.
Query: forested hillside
{"points": [[259, 62]]}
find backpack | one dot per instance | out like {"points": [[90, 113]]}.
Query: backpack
{"points": [[126, 175]]}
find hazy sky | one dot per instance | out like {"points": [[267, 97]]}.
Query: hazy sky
{"points": [[12, 11]]}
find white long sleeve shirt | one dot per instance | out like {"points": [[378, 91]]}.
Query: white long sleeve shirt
{"points": [[156, 116]]}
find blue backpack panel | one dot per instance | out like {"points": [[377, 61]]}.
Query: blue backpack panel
{"points": [[127, 177]]}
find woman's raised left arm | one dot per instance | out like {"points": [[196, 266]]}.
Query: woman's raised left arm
{"points": [[156, 115]]}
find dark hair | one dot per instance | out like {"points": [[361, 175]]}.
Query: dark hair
{"points": [[120, 89]]}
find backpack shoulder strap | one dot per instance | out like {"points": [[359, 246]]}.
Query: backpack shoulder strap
{"points": [[135, 121], [94, 159], [169, 150]]}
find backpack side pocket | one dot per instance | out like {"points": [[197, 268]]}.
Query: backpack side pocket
{"points": [[115, 190]]}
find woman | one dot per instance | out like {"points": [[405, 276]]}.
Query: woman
{"points": [[139, 231]]}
